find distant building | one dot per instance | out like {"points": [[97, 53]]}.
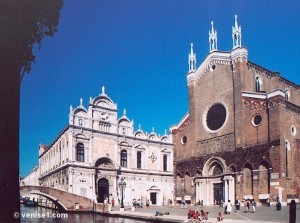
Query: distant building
{"points": [[32, 178], [240, 137], [97, 149]]}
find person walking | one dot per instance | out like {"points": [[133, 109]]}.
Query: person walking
{"points": [[248, 206], [147, 203], [253, 205], [237, 206], [293, 208], [112, 202], [229, 208]]}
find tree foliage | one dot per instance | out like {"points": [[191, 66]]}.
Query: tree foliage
{"points": [[24, 24]]}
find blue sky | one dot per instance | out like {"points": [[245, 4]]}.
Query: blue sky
{"points": [[139, 50]]}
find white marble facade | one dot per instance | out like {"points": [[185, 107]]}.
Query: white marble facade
{"points": [[97, 149]]}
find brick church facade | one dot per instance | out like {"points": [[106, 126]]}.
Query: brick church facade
{"points": [[240, 137]]}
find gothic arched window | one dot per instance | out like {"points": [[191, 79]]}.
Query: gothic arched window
{"points": [[124, 158], [80, 152], [257, 84], [287, 158]]}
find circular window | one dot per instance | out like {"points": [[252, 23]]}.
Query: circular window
{"points": [[216, 117], [213, 67], [293, 130], [257, 120], [183, 140]]}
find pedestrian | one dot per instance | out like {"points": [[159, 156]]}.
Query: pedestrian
{"points": [[141, 203], [268, 202], [229, 208], [147, 203], [278, 205], [253, 205], [293, 208], [248, 206], [237, 205], [112, 202]]}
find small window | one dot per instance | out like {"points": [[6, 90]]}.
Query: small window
{"points": [[80, 122], [257, 84], [293, 130], [80, 152], [139, 160], [183, 140], [124, 158], [257, 120], [165, 163]]}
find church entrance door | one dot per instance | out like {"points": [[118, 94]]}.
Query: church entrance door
{"points": [[153, 198], [103, 190], [218, 191]]}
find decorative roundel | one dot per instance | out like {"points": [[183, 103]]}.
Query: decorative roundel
{"points": [[257, 120], [293, 130], [216, 117], [183, 140]]}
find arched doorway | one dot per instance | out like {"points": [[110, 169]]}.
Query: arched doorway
{"points": [[103, 190]]}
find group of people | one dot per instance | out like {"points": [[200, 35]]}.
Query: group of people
{"points": [[250, 204], [195, 215], [137, 203]]}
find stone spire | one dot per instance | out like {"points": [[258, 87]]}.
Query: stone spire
{"points": [[192, 60], [213, 40], [124, 112], [103, 90], [236, 34]]}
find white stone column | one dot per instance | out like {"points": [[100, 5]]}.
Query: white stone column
{"points": [[90, 159], [231, 190], [207, 188], [70, 148], [225, 190], [197, 192]]}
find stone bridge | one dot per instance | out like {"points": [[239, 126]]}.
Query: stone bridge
{"points": [[65, 201]]}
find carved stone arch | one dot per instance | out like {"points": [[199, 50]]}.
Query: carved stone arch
{"points": [[178, 174], [139, 147], [248, 165], [105, 162], [232, 168], [164, 150], [213, 162], [83, 111], [198, 173], [81, 136], [247, 171], [264, 177]]}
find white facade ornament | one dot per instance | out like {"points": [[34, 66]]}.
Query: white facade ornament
{"points": [[153, 157], [91, 99], [152, 130], [213, 40], [124, 112], [140, 126], [81, 102], [192, 60], [103, 90], [236, 34], [71, 108]]}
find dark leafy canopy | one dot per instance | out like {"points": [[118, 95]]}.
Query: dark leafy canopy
{"points": [[23, 24]]}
